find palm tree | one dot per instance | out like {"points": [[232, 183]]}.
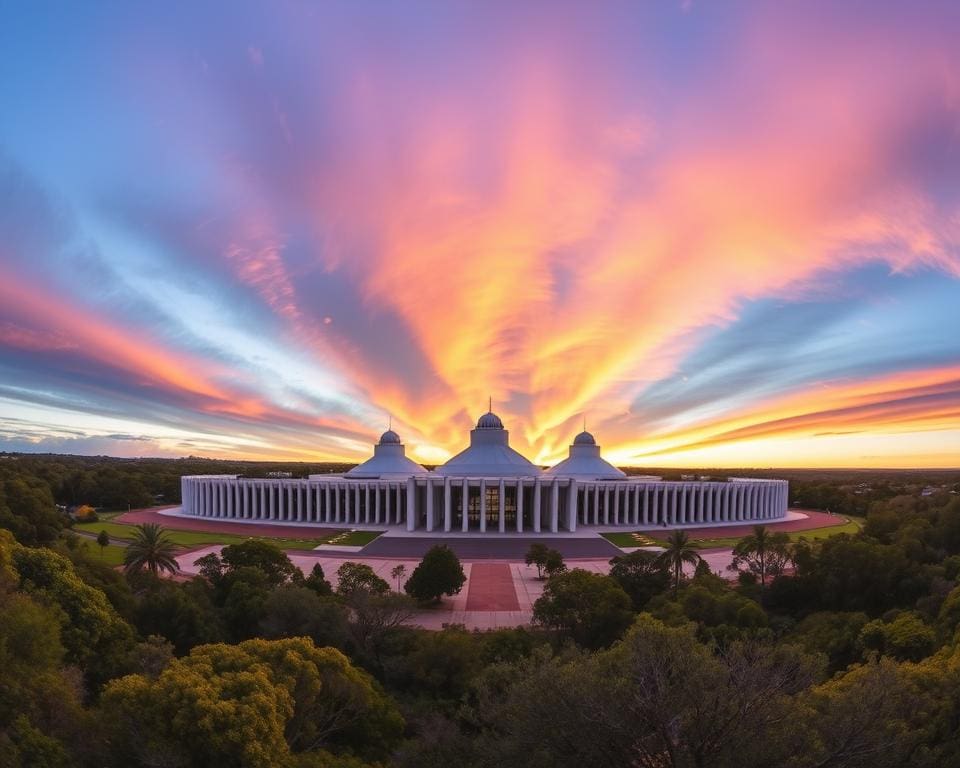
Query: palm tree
{"points": [[398, 572], [151, 549], [678, 552], [763, 553]]}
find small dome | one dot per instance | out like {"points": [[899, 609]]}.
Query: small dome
{"points": [[489, 420], [389, 438], [584, 438]]}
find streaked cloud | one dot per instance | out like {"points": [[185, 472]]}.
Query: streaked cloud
{"points": [[706, 228]]}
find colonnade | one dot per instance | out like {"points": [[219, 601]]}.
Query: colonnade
{"points": [[476, 504]]}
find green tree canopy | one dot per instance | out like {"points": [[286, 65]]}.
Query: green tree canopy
{"points": [[93, 634], [591, 608], [359, 577], [258, 703], [262, 554], [438, 574], [641, 574]]}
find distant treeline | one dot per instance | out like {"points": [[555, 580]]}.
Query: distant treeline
{"points": [[106, 482]]}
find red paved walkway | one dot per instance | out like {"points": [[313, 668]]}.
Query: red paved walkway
{"points": [[270, 530], [491, 588], [812, 520]]}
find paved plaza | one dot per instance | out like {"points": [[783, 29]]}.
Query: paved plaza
{"points": [[500, 589], [497, 594]]}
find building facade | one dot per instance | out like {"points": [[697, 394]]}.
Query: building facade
{"points": [[487, 488]]}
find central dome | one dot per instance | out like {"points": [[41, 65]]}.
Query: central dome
{"points": [[489, 454], [584, 438], [489, 420], [389, 438]]}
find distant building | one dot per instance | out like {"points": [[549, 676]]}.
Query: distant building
{"points": [[487, 487]]}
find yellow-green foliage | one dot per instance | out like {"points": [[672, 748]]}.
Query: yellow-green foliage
{"points": [[253, 704], [39, 700], [94, 635]]}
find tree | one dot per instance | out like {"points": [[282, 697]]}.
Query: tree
{"points": [[259, 703], [95, 637], [905, 638], [265, 555], [762, 553], [295, 611], [103, 541], [184, 614], [554, 563], [656, 698], [359, 577], [374, 618], [85, 514], [679, 552], [537, 555], [397, 573], [317, 581], [439, 573], [593, 609], [641, 574], [150, 548], [28, 510]]}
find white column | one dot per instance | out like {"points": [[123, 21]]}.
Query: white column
{"points": [[520, 506], [483, 506], [387, 495], [572, 492], [411, 504], [465, 505], [596, 503], [502, 508], [399, 504], [554, 506], [429, 504], [646, 505], [616, 505], [606, 505], [536, 505], [447, 511]]}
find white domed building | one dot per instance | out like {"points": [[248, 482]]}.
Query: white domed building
{"points": [[486, 488]]}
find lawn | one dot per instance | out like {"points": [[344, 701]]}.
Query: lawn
{"points": [[110, 555], [199, 538], [630, 539], [354, 538]]}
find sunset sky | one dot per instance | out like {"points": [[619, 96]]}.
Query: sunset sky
{"points": [[728, 234]]}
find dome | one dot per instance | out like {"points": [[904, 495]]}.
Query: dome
{"points": [[585, 462], [489, 420], [584, 438], [489, 454], [389, 460], [389, 438]]}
